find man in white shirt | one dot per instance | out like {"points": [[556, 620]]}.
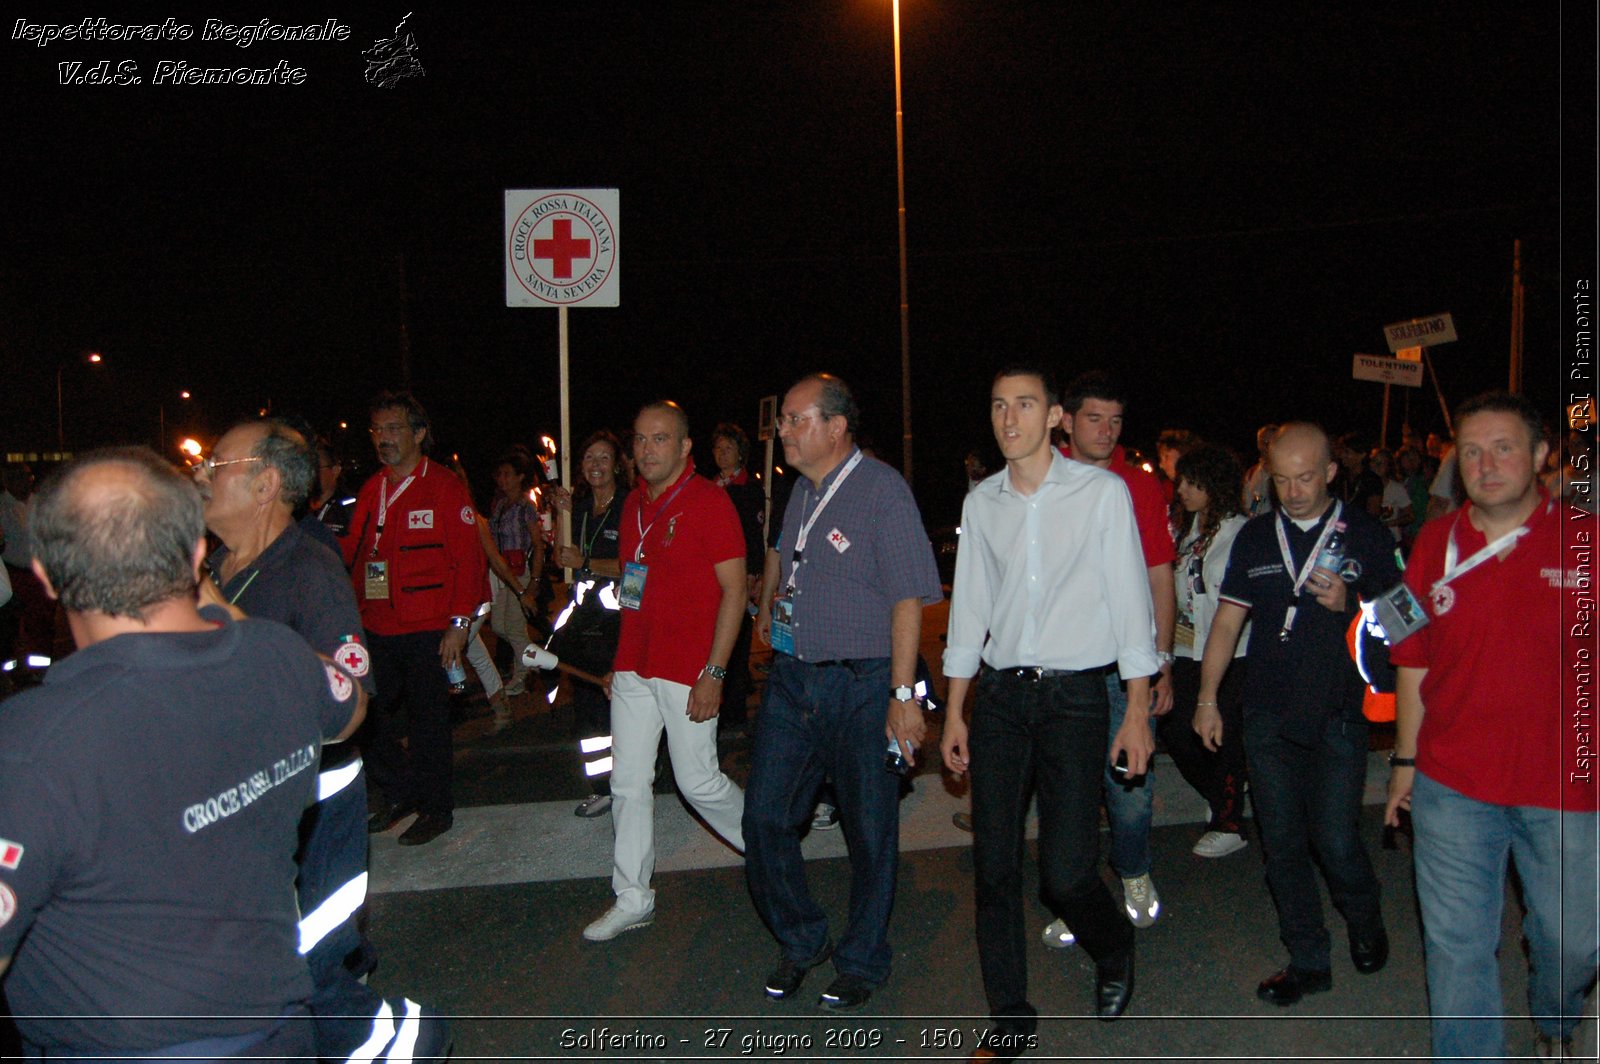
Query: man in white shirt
{"points": [[1050, 593]]}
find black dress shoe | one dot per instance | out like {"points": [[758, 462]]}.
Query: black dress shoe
{"points": [[1291, 984], [788, 975], [846, 994], [426, 828], [389, 816], [1369, 952], [1113, 985]]}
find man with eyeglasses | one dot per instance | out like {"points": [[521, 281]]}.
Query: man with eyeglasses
{"points": [[682, 598], [151, 789], [841, 607], [259, 475], [420, 574]]}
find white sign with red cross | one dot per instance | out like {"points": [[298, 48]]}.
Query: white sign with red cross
{"points": [[561, 247]]}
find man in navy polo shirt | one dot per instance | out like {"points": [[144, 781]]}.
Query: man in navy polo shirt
{"points": [[151, 790], [259, 474], [1297, 572], [841, 606]]}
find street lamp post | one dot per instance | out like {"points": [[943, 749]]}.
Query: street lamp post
{"points": [[61, 423], [905, 303]]}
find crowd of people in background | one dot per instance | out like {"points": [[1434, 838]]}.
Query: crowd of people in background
{"points": [[1099, 602]]}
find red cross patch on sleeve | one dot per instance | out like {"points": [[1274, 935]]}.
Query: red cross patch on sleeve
{"points": [[10, 853]]}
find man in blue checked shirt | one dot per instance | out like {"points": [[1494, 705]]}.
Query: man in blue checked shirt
{"points": [[841, 607]]}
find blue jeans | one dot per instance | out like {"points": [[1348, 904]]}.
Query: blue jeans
{"points": [[1128, 809], [1307, 801], [816, 721], [1462, 847], [1043, 735]]}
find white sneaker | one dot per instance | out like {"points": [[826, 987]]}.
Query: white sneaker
{"points": [[518, 685], [1219, 844], [1139, 897], [826, 818], [1058, 936], [615, 922]]}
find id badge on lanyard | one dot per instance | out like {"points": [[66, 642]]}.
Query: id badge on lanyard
{"points": [[377, 583], [782, 637], [633, 577]]}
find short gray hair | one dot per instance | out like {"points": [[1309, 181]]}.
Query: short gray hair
{"points": [[121, 547], [283, 448], [836, 400]]}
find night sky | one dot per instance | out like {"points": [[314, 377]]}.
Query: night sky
{"points": [[1221, 202]]}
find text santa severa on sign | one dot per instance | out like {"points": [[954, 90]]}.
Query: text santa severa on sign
{"points": [[561, 247]]}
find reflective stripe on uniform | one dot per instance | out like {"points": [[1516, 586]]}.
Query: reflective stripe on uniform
{"points": [[382, 1034], [405, 1043], [335, 909], [335, 780]]}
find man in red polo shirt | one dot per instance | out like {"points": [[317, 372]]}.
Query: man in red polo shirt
{"points": [[1094, 403], [1494, 737], [683, 596]]}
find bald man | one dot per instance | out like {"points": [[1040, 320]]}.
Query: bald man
{"points": [[1297, 572]]}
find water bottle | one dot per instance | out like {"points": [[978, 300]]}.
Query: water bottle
{"points": [[1332, 556], [457, 677], [894, 760]]}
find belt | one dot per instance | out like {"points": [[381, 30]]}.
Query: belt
{"points": [[1035, 673]]}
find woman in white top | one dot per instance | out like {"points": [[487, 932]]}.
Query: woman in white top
{"points": [[1209, 488]]}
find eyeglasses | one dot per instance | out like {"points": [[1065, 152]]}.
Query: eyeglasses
{"points": [[794, 421], [209, 465], [391, 432]]}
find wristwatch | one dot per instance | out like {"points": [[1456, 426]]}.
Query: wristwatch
{"points": [[716, 672], [461, 622], [1401, 762], [903, 693], [1165, 657]]}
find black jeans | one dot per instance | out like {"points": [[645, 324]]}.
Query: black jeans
{"points": [[1308, 811], [1047, 734], [412, 701], [1218, 777]]}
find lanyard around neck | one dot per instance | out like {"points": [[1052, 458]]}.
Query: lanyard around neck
{"points": [[1454, 570], [638, 516], [385, 500], [586, 541], [805, 529], [1305, 570]]}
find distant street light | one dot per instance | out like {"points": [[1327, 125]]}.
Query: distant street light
{"points": [[162, 408], [61, 423]]}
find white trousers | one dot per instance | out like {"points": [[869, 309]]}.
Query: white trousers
{"points": [[640, 709]]}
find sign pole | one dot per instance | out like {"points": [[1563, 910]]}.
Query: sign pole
{"points": [[566, 434], [1448, 427], [1383, 433], [766, 487]]}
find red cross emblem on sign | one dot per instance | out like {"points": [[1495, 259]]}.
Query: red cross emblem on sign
{"points": [[562, 248], [835, 536]]}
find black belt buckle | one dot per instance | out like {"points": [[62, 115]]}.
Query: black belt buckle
{"points": [[1029, 673]]}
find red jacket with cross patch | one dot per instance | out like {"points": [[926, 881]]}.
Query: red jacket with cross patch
{"points": [[436, 565]]}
